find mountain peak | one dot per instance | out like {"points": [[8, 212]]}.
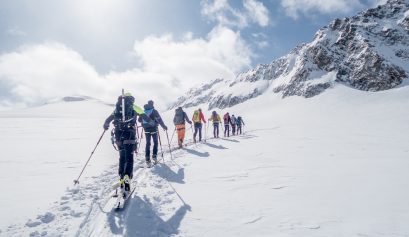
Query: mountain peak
{"points": [[368, 51]]}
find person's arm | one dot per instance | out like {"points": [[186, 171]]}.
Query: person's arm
{"points": [[202, 117], [187, 118], [108, 121], [159, 119]]}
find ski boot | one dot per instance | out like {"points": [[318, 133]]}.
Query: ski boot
{"points": [[148, 163], [155, 160], [127, 183]]}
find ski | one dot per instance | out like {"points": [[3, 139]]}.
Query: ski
{"points": [[123, 198]]}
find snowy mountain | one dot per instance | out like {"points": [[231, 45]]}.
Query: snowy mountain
{"points": [[367, 52]]}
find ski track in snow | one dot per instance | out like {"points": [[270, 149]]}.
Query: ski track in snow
{"points": [[85, 204]]}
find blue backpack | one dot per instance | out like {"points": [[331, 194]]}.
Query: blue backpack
{"points": [[148, 113]]}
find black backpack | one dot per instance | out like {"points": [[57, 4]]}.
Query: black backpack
{"points": [[179, 117], [130, 115]]}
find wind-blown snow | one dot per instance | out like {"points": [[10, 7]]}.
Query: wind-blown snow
{"points": [[332, 165]]}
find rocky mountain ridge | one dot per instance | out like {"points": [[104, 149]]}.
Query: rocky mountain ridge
{"points": [[368, 51]]}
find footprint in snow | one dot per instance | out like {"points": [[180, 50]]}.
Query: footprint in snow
{"points": [[64, 208], [75, 214], [46, 218], [37, 234], [30, 223]]}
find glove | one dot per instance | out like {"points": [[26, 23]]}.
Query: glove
{"points": [[190, 123], [106, 126]]}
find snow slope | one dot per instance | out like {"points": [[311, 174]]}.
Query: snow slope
{"points": [[332, 165]]}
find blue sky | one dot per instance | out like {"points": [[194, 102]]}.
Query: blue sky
{"points": [[108, 44]]}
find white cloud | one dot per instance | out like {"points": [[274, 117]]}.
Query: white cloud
{"points": [[257, 11], [38, 73], [294, 8], [224, 14]]}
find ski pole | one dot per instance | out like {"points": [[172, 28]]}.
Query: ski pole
{"points": [[193, 134], [205, 132], [140, 140], [160, 143], [170, 150], [172, 135], [99, 140]]}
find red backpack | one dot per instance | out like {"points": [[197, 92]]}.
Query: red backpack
{"points": [[226, 118]]}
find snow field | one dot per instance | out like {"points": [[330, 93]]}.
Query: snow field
{"points": [[332, 165]]}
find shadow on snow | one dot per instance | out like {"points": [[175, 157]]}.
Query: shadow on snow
{"points": [[165, 172], [140, 219], [197, 153], [216, 146]]}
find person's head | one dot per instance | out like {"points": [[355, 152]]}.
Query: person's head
{"points": [[200, 110], [214, 112], [150, 102]]}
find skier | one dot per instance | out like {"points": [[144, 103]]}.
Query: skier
{"points": [[125, 136], [216, 121], [239, 122], [197, 119], [226, 120], [233, 124], [179, 121], [151, 131]]}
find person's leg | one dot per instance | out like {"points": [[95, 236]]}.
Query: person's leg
{"points": [[217, 129], [155, 145], [196, 130], [121, 167], [228, 131], [148, 146], [182, 133], [200, 132], [179, 131], [129, 149], [214, 130]]}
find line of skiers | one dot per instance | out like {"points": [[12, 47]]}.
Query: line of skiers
{"points": [[124, 135], [181, 118]]}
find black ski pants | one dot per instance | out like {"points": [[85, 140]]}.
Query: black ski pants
{"points": [[227, 130], [126, 160], [154, 136], [198, 129], [238, 129], [216, 130], [233, 129]]}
